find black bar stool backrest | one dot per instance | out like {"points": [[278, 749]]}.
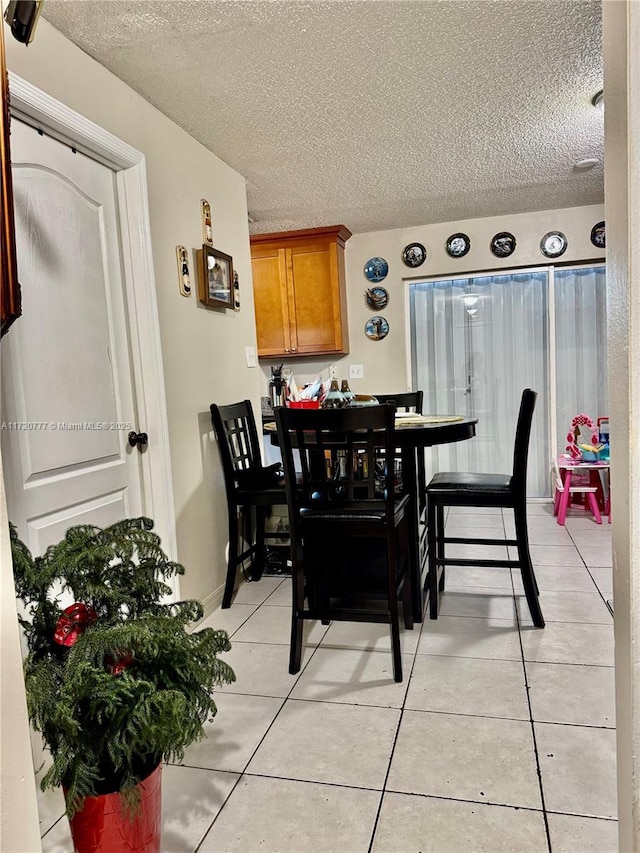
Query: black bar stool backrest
{"points": [[404, 402], [523, 434], [237, 435], [337, 449]]}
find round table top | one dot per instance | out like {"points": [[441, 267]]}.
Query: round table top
{"points": [[425, 432]]}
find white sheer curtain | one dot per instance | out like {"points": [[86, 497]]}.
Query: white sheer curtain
{"points": [[581, 346], [476, 343]]}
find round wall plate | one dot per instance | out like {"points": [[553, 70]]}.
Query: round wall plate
{"points": [[457, 245], [553, 244], [376, 269], [598, 235], [414, 254], [503, 244], [376, 328], [376, 298]]}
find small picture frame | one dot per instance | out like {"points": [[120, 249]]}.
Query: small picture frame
{"points": [[215, 282]]}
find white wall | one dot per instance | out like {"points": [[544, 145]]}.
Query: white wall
{"points": [[203, 350], [385, 362], [621, 45]]}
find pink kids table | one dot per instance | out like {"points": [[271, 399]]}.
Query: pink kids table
{"points": [[566, 485]]}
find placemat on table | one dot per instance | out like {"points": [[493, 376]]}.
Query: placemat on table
{"points": [[416, 419]]}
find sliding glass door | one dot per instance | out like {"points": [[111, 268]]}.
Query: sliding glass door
{"points": [[476, 343], [581, 346]]}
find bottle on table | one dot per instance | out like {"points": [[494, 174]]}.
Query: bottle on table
{"points": [[335, 398], [346, 392]]}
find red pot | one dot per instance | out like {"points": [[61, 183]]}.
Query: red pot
{"points": [[104, 826]]}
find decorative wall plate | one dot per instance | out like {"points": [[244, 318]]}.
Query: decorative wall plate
{"points": [[376, 269], [553, 244], [414, 254], [376, 328], [377, 298], [503, 244], [598, 236], [458, 245]]}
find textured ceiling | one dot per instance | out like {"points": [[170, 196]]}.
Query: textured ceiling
{"points": [[377, 113]]}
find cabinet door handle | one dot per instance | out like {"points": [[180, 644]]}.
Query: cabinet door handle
{"points": [[286, 349], [294, 349]]}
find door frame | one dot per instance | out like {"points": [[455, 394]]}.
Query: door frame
{"points": [[40, 110]]}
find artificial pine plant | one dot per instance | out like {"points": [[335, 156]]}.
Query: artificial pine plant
{"points": [[115, 683]]}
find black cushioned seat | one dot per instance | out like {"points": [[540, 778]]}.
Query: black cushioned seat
{"points": [[468, 483]]}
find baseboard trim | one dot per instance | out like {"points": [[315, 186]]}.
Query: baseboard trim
{"points": [[212, 601]]}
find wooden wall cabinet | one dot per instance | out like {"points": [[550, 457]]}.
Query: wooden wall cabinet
{"points": [[299, 292]]}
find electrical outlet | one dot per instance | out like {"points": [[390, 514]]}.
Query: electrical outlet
{"points": [[250, 354], [333, 371], [356, 371]]}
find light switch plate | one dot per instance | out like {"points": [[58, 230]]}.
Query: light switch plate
{"points": [[250, 354], [356, 371]]}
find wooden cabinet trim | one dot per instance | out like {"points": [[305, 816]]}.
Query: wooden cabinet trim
{"points": [[333, 232]]}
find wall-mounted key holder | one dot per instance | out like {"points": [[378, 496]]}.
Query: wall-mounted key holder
{"points": [[207, 229], [184, 276]]}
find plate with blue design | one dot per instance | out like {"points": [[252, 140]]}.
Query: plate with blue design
{"points": [[376, 298], [376, 269]]}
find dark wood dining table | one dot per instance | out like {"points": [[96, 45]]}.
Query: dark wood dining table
{"points": [[412, 436]]}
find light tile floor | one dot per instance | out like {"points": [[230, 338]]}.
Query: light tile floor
{"points": [[500, 738]]}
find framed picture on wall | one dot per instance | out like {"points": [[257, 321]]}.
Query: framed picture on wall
{"points": [[216, 278]]}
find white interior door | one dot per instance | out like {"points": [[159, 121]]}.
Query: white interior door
{"points": [[67, 391]]}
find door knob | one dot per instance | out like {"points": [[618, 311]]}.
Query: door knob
{"points": [[139, 438]]}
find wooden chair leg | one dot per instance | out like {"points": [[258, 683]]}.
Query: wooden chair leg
{"points": [[297, 623], [295, 654], [433, 566], [395, 642], [259, 554], [440, 544], [407, 607], [526, 568], [232, 562]]}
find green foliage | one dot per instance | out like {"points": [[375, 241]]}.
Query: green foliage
{"points": [[107, 731]]}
